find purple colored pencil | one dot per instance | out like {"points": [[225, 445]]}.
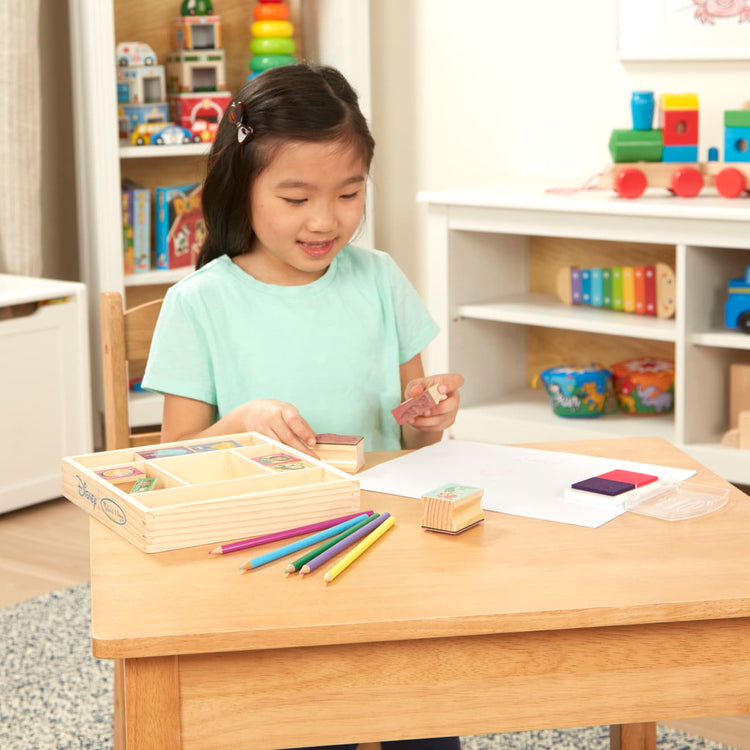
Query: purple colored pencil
{"points": [[343, 544], [285, 534]]}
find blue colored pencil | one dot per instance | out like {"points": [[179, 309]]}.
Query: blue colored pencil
{"points": [[343, 544], [288, 549]]}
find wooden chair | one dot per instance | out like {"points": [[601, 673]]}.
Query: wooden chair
{"points": [[126, 338]]}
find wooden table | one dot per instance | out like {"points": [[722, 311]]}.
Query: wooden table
{"points": [[515, 624]]}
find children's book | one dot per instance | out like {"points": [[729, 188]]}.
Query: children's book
{"points": [[180, 229], [139, 199]]}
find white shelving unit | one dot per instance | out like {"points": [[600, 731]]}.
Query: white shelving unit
{"points": [[480, 258], [335, 32]]}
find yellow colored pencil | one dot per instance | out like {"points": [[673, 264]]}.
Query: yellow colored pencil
{"points": [[368, 541]]}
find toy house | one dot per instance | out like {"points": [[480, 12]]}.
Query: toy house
{"points": [[196, 74]]}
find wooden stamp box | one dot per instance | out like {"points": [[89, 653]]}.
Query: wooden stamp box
{"points": [[206, 490]]}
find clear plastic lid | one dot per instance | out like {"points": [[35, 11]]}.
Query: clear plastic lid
{"points": [[682, 501]]}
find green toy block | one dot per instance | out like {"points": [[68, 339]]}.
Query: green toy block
{"points": [[636, 145], [737, 118]]}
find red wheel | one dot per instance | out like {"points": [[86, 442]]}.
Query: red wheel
{"points": [[630, 182], [730, 182], [687, 182]]}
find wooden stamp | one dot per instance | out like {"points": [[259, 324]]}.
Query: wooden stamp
{"points": [[345, 452], [418, 405], [452, 508]]}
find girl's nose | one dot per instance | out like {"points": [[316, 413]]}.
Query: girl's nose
{"points": [[321, 219]]}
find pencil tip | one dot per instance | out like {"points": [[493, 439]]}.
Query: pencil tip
{"points": [[327, 578], [244, 568], [215, 551]]}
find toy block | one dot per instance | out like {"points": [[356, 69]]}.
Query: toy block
{"points": [[678, 101], [452, 508], [188, 108], [743, 441], [607, 288], [418, 405], [628, 289], [196, 71], [665, 291], [345, 452], [143, 484], [635, 145], [739, 392], [737, 118], [196, 32], [737, 144], [144, 84], [596, 287], [680, 154], [679, 127]]}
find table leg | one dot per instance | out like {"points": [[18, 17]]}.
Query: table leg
{"points": [[152, 703], [118, 739], [633, 736]]}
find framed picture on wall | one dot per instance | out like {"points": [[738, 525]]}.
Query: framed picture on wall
{"points": [[684, 29]]}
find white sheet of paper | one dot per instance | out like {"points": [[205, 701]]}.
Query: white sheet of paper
{"points": [[521, 481]]}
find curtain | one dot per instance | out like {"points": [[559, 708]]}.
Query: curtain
{"points": [[20, 139]]}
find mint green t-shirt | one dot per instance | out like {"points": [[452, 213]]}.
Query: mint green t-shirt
{"points": [[332, 348]]}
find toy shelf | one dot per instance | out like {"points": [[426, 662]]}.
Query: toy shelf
{"points": [[163, 152], [491, 263]]}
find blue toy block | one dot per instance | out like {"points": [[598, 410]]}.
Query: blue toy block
{"points": [[680, 154], [585, 286], [736, 144]]}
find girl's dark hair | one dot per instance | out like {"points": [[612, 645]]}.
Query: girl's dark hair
{"points": [[300, 102]]}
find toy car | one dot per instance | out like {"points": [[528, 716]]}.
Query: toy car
{"points": [[204, 130], [173, 135], [144, 132], [135, 53], [737, 308]]}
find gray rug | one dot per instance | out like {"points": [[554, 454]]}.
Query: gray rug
{"points": [[55, 696]]}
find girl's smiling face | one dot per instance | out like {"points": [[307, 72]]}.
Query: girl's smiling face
{"points": [[304, 207]]}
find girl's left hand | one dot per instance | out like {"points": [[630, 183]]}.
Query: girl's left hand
{"points": [[443, 414]]}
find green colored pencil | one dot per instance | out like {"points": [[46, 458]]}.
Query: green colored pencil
{"points": [[293, 567]]}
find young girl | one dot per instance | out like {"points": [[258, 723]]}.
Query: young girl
{"points": [[285, 328]]}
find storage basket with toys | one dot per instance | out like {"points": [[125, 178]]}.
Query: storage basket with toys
{"points": [[636, 386]]}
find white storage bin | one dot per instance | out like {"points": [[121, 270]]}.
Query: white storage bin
{"points": [[45, 386]]}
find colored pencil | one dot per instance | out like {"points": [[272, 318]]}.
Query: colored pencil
{"points": [[327, 555], [288, 549], [277, 536], [300, 561], [369, 540]]}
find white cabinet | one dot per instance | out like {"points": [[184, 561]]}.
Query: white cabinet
{"points": [[44, 385], [335, 32], [491, 259]]}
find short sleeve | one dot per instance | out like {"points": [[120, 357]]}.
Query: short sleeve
{"points": [[414, 325], [180, 359]]}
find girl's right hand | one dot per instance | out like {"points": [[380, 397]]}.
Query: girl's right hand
{"points": [[278, 420]]}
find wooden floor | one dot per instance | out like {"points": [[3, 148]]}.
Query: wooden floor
{"points": [[46, 548]]}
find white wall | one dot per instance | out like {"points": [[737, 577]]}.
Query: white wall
{"points": [[505, 90]]}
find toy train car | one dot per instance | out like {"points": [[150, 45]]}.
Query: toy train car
{"points": [[667, 156]]}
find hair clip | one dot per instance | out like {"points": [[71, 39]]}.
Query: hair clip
{"points": [[236, 115]]}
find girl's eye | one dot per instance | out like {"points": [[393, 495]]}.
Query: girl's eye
{"points": [[349, 196], [295, 201]]}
